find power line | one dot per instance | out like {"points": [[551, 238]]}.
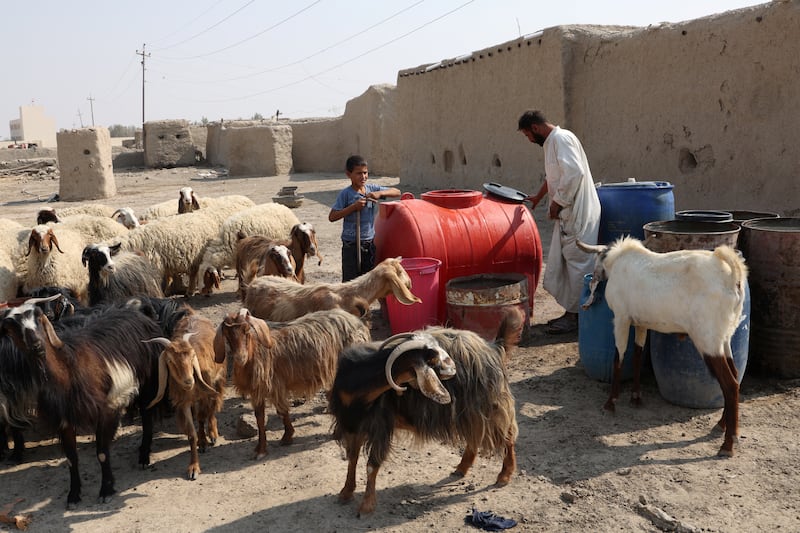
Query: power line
{"points": [[290, 17], [185, 25], [293, 63], [205, 30], [359, 56], [144, 56]]}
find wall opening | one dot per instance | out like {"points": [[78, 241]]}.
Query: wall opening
{"points": [[448, 161], [461, 155], [496, 161], [686, 161], [433, 159]]}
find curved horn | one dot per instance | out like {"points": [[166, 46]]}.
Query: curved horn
{"points": [[403, 347], [35, 301], [199, 375], [163, 372], [591, 248], [115, 213], [187, 336], [161, 340], [396, 337]]}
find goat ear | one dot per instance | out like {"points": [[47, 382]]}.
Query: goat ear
{"points": [[261, 329], [115, 248], [430, 386], [55, 241], [401, 291], [195, 203], [49, 332], [219, 345], [85, 256], [591, 248]]}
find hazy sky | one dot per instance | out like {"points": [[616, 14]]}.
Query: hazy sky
{"points": [[234, 58]]}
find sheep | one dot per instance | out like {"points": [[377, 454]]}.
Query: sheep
{"points": [[9, 282], [98, 210], [47, 268], [127, 217], [464, 376], [697, 292], [259, 256], [14, 241], [175, 245], [188, 203], [92, 227], [270, 220], [115, 276], [196, 382], [87, 375], [272, 362], [275, 298]]}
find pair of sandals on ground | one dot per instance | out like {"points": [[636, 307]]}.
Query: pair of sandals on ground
{"points": [[566, 323]]}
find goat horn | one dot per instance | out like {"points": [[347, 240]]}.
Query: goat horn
{"points": [[187, 336], [591, 248], [34, 301], [199, 373], [161, 340], [415, 343], [399, 336], [163, 371]]}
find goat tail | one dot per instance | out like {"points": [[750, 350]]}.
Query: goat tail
{"points": [[736, 263]]}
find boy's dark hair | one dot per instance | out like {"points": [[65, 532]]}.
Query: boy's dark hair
{"points": [[530, 118], [355, 161]]}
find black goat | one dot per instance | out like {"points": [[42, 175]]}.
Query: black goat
{"points": [[115, 276], [473, 407], [87, 375]]}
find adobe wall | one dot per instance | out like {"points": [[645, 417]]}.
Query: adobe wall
{"points": [[168, 143], [257, 150], [708, 105], [85, 165], [368, 128], [458, 118]]}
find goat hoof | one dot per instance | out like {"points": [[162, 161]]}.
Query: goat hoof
{"points": [[610, 406], [724, 453], [259, 455]]}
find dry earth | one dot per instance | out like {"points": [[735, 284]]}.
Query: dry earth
{"points": [[580, 469]]}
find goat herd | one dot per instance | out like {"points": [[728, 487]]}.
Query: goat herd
{"points": [[88, 334], [80, 348]]}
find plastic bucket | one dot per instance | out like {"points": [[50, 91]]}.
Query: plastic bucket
{"points": [[626, 207], [478, 303], [681, 374], [596, 345], [424, 274], [704, 216]]}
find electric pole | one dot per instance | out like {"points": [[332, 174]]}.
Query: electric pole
{"points": [[91, 106], [80, 117], [144, 56]]}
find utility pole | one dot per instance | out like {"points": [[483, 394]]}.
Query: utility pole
{"points": [[144, 56], [91, 106], [80, 117]]}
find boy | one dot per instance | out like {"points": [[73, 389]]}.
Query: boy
{"points": [[357, 205]]}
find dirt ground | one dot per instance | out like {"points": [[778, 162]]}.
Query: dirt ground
{"points": [[579, 468]]}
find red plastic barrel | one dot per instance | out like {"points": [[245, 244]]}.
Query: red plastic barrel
{"points": [[424, 274], [469, 233]]}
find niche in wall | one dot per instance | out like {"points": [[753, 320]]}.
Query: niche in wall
{"points": [[686, 161], [461, 155], [448, 160]]}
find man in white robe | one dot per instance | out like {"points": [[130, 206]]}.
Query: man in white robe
{"points": [[575, 208]]}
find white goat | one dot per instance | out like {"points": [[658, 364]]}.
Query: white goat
{"points": [[697, 292], [281, 299]]}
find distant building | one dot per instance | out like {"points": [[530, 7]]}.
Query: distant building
{"points": [[33, 126]]}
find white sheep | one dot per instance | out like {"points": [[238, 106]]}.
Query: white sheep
{"points": [[98, 210], [14, 241], [93, 228], [175, 245], [127, 217], [271, 220], [56, 268], [9, 283], [188, 203], [697, 292]]}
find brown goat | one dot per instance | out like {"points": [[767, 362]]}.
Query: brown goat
{"points": [[274, 298], [259, 256], [197, 383], [297, 358]]}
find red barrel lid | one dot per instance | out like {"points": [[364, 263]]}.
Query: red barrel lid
{"points": [[453, 198]]}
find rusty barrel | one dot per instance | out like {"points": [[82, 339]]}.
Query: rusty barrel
{"points": [[669, 235], [479, 302], [772, 249]]}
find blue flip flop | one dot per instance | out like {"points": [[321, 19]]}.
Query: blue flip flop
{"points": [[489, 521]]}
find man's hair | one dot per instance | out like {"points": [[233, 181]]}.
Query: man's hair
{"points": [[529, 118], [355, 161]]}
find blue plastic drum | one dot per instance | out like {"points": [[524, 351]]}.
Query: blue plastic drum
{"points": [[626, 207]]}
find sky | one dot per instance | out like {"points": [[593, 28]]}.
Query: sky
{"points": [[210, 59]]}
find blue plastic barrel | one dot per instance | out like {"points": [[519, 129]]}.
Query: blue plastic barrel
{"points": [[596, 345], [681, 374], [626, 207]]}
